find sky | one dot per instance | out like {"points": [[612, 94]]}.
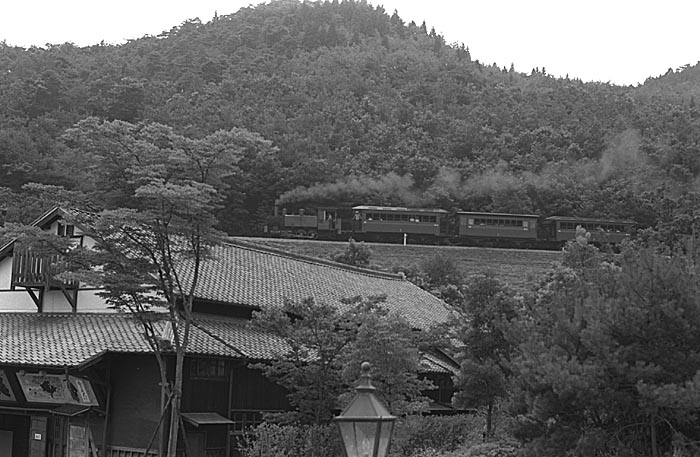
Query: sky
{"points": [[618, 41]]}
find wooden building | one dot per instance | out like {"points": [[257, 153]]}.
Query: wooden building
{"points": [[78, 379]]}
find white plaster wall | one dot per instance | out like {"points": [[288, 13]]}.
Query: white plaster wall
{"points": [[19, 300], [54, 300], [5, 273]]}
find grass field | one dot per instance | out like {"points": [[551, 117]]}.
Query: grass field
{"points": [[517, 267]]}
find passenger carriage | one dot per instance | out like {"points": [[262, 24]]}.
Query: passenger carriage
{"points": [[603, 231], [497, 225], [377, 222]]}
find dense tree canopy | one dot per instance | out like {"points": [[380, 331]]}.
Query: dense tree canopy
{"points": [[326, 348], [343, 91], [608, 358]]}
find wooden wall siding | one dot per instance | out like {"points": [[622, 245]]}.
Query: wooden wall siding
{"points": [[19, 426], [444, 389], [215, 453], [201, 395], [251, 390], [30, 269], [206, 385], [135, 400], [204, 441], [38, 428]]}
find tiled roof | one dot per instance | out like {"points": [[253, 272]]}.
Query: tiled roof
{"points": [[436, 362], [66, 339], [239, 274], [71, 340], [212, 334], [251, 275]]}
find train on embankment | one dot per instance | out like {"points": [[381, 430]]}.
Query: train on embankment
{"points": [[438, 226]]}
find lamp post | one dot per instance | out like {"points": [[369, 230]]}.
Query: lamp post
{"points": [[365, 424]]}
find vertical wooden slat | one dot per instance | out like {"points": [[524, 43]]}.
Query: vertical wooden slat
{"points": [[32, 269]]}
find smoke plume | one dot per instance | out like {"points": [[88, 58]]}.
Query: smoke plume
{"points": [[391, 189]]}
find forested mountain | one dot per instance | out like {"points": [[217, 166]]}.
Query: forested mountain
{"points": [[359, 107]]}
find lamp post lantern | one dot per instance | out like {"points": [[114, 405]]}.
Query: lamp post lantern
{"points": [[365, 424]]}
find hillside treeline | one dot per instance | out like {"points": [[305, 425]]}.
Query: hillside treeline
{"points": [[357, 106]]}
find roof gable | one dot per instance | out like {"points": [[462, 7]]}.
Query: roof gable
{"points": [[44, 221]]}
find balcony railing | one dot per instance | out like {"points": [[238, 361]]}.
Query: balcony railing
{"points": [[36, 270]]}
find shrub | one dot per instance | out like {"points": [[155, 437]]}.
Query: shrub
{"points": [[414, 436], [271, 440], [441, 270], [356, 254], [495, 449], [438, 433], [492, 449]]}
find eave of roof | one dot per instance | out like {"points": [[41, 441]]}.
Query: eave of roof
{"points": [[76, 340], [66, 340], [53, 340], [435, 361]]}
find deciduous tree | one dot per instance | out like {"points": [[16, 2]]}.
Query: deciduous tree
{"points": [[162, 191], [326, 347]]}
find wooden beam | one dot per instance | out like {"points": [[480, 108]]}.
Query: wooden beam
{"points": [[72, 298], [38, 301]]}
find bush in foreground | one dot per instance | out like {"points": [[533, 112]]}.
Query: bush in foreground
{"points": [[414, 436]]}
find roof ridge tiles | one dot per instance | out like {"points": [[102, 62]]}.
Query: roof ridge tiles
{"points": [[250, 245]]}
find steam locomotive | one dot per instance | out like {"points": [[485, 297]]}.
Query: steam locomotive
{"points": [[438, 226]]}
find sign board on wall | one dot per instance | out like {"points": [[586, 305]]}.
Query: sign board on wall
{"points": [[6, 393], [56, 388]]}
